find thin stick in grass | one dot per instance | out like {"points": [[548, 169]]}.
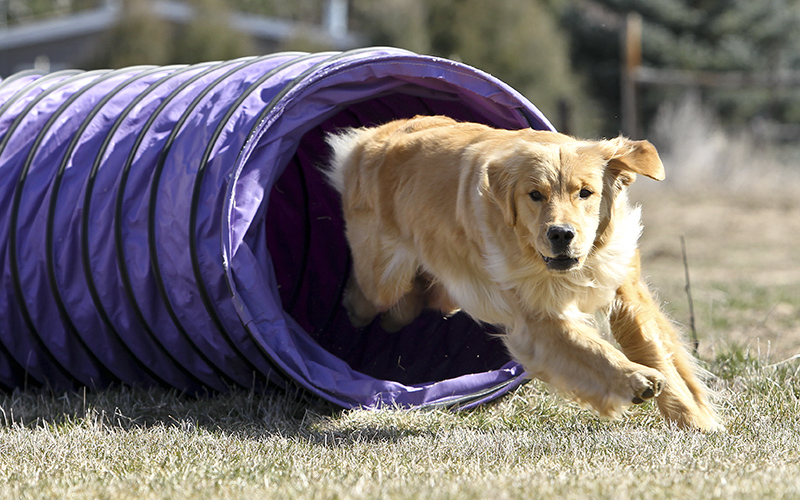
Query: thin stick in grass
{"points": [[688, 289]]}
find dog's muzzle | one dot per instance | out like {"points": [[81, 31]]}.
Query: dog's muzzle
{"points": [[560, 263], [560, 236]]}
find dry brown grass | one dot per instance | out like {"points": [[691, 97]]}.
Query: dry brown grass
{"points": [[153, 445], [743, 261]]}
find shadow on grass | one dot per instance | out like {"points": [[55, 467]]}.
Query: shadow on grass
{"points": [[247, 415], [125, 407], [254, 415]]}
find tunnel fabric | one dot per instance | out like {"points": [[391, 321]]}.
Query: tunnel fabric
{"points": [[169, 226]]}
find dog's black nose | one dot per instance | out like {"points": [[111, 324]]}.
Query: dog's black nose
{"points": [[560, 237]]}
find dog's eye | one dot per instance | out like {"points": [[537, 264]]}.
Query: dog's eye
{"points": [[585, 193], [536, 196]]}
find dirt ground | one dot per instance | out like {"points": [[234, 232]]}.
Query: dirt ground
{"points": [[743, 255]]}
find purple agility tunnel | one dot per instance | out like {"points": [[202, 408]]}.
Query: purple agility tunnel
{"points": [[169, 226]]}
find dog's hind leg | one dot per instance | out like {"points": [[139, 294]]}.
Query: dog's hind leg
{"points": [[406, 309], [646, 336], [360, 310], [383, 280], [426, 293]]}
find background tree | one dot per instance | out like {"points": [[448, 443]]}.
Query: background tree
{"points": [[209, 36], [724, 35], [140, 38], [518, 41]]}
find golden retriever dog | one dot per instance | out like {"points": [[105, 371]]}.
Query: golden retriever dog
{"points": [[528, 230]]}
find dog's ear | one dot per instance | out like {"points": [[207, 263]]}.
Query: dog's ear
{"points": [[501, 187], [637, 157]]}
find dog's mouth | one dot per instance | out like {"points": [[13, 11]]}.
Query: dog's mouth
{"points": [[560, 262]]}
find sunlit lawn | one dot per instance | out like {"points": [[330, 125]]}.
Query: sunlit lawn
{"points": [[127, 443]]}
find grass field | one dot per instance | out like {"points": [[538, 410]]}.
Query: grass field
{"points": [[127, 443], [151, 444]]}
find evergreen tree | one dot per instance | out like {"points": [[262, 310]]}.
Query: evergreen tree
{"points": [[724, 35]]}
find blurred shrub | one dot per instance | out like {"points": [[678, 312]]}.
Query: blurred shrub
{"points": [[141, 37], [209, 36], [518, 41], [701, 154]]}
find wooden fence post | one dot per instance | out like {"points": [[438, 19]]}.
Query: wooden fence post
{"points": [[632, 60]]}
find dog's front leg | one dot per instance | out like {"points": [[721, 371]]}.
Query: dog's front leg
{"points": [[646, 336], [571, 355]]}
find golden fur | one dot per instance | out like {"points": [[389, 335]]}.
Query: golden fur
{"points": [[529, 230]]}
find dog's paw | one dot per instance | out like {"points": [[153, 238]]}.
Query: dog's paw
{"points": [[646, 384], [359, 321], [360, 314], [392, 324], [360, 311]]}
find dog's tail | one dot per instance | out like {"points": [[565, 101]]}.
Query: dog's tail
{"points": [[342, 144]]}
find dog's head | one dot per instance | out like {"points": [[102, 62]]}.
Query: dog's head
{"points": [[558, 193]]}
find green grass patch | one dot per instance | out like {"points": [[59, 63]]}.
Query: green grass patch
{"points": [[762, 318], [727, 304], [127, 443]]}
